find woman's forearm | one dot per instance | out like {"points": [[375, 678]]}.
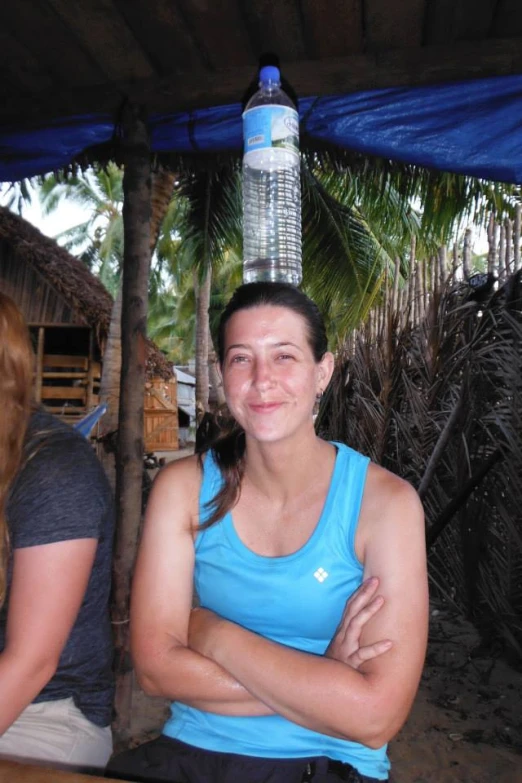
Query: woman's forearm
{"points": [[319, 693], [183, 675], [21, 680]]}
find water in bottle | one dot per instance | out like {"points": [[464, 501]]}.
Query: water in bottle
{"points": [[271, 185]]}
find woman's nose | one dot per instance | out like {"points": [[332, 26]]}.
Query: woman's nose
{"points": [[262, 373]]}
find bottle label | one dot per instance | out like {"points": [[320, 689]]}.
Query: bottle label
{"points": [[271, 126]]}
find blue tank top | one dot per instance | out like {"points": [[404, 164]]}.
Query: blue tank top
{"points": [[296, 600]]}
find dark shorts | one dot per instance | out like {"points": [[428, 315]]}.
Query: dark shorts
{"points": [[165, 760]]}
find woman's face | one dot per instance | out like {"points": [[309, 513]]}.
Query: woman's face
{"points": [[270, 376]]}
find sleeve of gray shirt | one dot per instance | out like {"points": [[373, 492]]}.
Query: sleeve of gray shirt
{"points": [[60, 494]]}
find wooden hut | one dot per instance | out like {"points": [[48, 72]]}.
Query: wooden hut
{"points": [[68, 311]]}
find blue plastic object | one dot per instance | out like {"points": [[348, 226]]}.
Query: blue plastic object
{"points": [[269, 73], [87, 424], [470, 127]]}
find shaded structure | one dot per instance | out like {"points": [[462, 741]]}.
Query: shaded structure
{"points": [[66, 57]]}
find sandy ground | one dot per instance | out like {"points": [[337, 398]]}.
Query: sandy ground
{"points": [[465, 725]]}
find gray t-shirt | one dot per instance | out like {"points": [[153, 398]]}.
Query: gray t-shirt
{"points": [[61, 493]]}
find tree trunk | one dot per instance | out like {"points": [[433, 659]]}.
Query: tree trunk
{"points": [[129, 468], [214, 374], [163, 183], [202, 346], [110, 392]]}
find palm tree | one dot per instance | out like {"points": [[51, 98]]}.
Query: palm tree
{"points": [[358, 218], [99, 238]]}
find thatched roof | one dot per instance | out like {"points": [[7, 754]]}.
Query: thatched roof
{"points": [[177, 56], [71, 280]]}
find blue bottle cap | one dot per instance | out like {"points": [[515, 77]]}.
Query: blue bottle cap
{"points": [[269, 73]]}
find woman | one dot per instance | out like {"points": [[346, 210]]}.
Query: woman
{"points": [[56, 528], [279, 528]]}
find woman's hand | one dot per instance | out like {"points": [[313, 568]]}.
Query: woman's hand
{"points": [[360, 607]]}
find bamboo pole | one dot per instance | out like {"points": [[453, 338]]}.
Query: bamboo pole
{"points": [[516, 237], [501, 253], [455, 260], [435, 277], [509, 247], [395, 290], [424, 285], [443, 264], [129, 466], [411, 281], [386, 303], [418, 292], [466, 254], [492, 244]]}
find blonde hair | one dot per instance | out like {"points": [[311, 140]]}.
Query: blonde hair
{"points": [[16, 380]]}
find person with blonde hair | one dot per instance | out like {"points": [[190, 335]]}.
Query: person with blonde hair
{"points": [[56, 530], [293, 668]]}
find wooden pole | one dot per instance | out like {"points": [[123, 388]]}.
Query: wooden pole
{"points": [[466, 254], [129, 468]]}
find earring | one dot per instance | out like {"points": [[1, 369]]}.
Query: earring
{"points": [[318, 398]]}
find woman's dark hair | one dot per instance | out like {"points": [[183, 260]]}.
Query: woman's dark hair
{"points": [[276, 295], [225, 437]]}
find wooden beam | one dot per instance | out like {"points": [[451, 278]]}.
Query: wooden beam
{"points": [[129, 464], [186, 91], [102, 32], [326, 39], [393, 25]]}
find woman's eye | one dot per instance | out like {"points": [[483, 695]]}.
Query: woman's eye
{"points": [[238, 359], [285, 357]]}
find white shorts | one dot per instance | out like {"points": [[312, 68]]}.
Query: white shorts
{"points": [[57, 734]]}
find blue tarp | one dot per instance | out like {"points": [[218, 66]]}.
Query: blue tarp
{"points": [[472, 127]]}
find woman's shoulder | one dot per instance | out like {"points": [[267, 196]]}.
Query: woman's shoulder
{"points": [[388, 486], [390, 504], [180, 478], [182, 469], [390, 499]]}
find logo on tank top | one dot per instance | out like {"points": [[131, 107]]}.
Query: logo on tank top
{"points": [[321, 574]]}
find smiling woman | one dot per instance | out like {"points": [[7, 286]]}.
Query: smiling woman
{"points": [[271, 379], [293, 668]]}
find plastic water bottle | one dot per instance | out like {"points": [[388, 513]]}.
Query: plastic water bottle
{"points": [[271, 185]]}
